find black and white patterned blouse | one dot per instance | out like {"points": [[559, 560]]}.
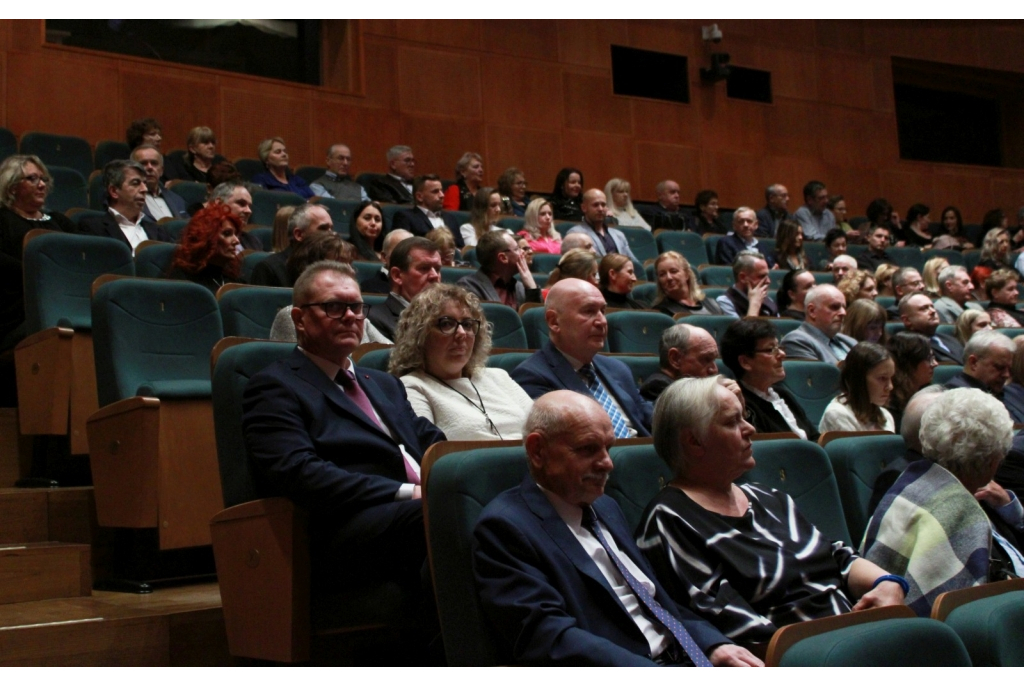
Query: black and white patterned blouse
{"points": [[747, 575]]}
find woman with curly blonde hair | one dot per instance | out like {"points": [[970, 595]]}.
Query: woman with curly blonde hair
{"points": [[858, 285], [441, 347]]}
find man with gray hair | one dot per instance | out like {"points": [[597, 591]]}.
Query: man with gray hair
{"points": [[380, 282], [768, 217], [161, 203], [396, 185], [306, 219], [842, 265], [744, 223], [125, 182], [336, 182], [684, 351], [905, 281], [818, 336], [957, 288], [987, 360], [748, 296], [577, 240]]}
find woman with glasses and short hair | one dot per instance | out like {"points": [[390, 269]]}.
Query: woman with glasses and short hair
{"points": [[441, 347]]}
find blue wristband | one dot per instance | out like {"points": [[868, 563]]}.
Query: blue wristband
{"points": [[899, 580]]}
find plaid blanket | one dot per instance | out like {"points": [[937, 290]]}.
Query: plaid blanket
{"points": [[929, 529]]}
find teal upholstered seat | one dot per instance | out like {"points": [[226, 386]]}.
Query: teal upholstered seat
{"points": [[8, 144], [192, 192], [249, 167], [857, 461], [71, 152], [154, 260], [641, 243], [249, 264], [717, 275], [249, 311], [69, 190], [452, 274], [943, 372], [544, 263], [341, 212], [638, 475], [506, 326], [265, 204], [637, 331], [640, 367], [814, 384], [507, 360], [686, 243], [991, 629], [712, 323], [108, 151], [895, 642]]}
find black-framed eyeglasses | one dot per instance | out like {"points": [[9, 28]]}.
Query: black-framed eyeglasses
{"points": [[773, 350], [447, 325], [336, 310]]}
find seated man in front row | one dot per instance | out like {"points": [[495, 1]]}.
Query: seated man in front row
{"points": [[340, 441], [560, 579]]}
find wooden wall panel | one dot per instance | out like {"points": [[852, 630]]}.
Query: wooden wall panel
{"points": [[588, 41], [434, 82], [658, 162], [1000, 48], [858, 186], [955, 42], [969, 190], [673, 37], [27, 34], [505, 146], [732, 125], [590, 105], [841, 77], [379, 27], [885, 98], [600, 156], [380, 84], [520, 92], [794, 73], [858, 138], [774, 32], [255, 116], [438, 143], [738, 178], [456, 33], [834, 34], [367, 132], [904, 187], [1007, 193], [793, 173], [793, 129], [183, 103], [533, 38], [665, 122]]}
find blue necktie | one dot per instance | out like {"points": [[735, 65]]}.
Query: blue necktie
{"points": [[596, 389], [653, 607]]}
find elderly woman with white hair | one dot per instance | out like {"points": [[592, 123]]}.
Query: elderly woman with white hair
{"points": [[945, 524], [741, 556]]}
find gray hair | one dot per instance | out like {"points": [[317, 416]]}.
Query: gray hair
{"points": [[300, 218], [901, 275], [687, 404], [12, 173], [263, 150], [147, 146], [225, 190], [819, 292], [847, 258], [675, 337], [303, 288], [575, 241], [396, 151], [745, 261], [331, 148], [949, 273], [963, 430], [983, 343], [115, 172], [910, 426], [742, 210]]}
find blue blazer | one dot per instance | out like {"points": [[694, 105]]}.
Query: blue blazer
{"points": [[548, 370], [731, 245], [544, 597], [310, 443]]}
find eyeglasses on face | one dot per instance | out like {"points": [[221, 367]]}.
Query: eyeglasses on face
{"points": [[773, 350], [447, 325], [336, 310], [34, 179]]}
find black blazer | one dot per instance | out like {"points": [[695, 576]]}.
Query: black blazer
{"points": [[766, 418], [106, 227], [273, 271], [417, 223], [385, 317], [385, 188], [175, 203]]}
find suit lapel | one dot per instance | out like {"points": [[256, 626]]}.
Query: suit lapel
{"points": [[312, 374], [563, 370]]}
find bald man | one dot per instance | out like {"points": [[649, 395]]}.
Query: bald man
{"points": [[574, 312], [606, 240], [818, 336]]}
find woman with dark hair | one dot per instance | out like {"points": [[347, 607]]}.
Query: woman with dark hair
{"points": [[879, 213], [567, 195], [792, 292], [953, 238], [207, 253], [144, 131], [864, 388], [617, 278], [837, 205], [512, 186], [483, 216], [994, 218], [678, 290], [708, 220], [865, 322], [367, 234], [915, 364], [836, 243], [196, 163], [1001, 291], [789, 245], [274, 155], [469, 178]]}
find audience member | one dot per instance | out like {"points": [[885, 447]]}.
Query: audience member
{"points": [[970, 322], [915, 364], [577, 240], [469, 179], [953, 227], [441, 347], [793, 292], [858, 285], [207, 253], [414, 266], [445, 242], [836, 243], [919, 316], [427, 214], [200, 156], [539, 227], [707, 217], [235, 196], [567, 195], [815, 216], [367, 231], [1013, 392], [742, 556], [125, 183], [865, 384], [930, 275], [865, 321], [988, 358], [684, 351], [161, 202], [280, 239], [577, 327], [304, 221], [748, 296], [744, 222], [678, 290], [776, 198], [751, 350], [883, 279], [621, 207], [1001, 291], [144, 131], [955, 290], [380, 283], [274, 155], [667, 213], [995, 254], [875, 256], [789, 245], [606, 240], [483, 217], [617, 278], [842, 265], [545, 611], [396, 185], [918, 229], [818, 337], [905, 281], [501, 260], [336, 181], [512, 186], [837, 205], [932, 525], [576, 263]]}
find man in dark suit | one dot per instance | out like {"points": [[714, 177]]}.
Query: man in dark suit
{"points": [[427, 214], [414, 266], [560, 579], [667, 213], [380, 282], [988, 357], [396, 185], [776, 197], [161, 203], [574, 312], [125, 182], [340, 441], [304, 221], [744, 223], [919, 316]]}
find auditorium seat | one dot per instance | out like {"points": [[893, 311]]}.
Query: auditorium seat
{"points": [[265, 204], [782, 324], [894, 327], [8, 144], [373, 356], [310, 173], [70, 152], [250, 260], [249, 167], [989, 619], [641, 243], [108, 151], [513, 224], [908, 256], [686, 243], [535, 326], [715, 324], [97, 192], [943, 372], [640, 366], [174, 227], [452, 274], [636, 331], [816, 253], [814, 384], [69, 190], [716, 275], [153, 258], [192, 192], [341, 212], [507, 361], [248, 311], [544, 263], [711, 245], [388, 212], [506, 327], [954, 257], [857, 461], [264, 234], [644, 293]]}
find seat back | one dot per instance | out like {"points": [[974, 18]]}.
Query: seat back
{"points": [[59, 269], [802, 470], [108, 151], [153, 260], [265, 204], [341, 212], [711, 245], [376, 359], [717, 275], [640, 367], [458, 487], [513, 224], [310, 173], [63, 151], [249, 167], [389, 213], [686, 243], [248, 311], [508, 360], [638, 476], [231, 373], [641, 243], [97, 192], [637, 331], [536, 327], [908, 256], [68, 191], [8, 144], [192, 192], [645, 293], [713, 324], [265, 236], [544, 263], [250, 262], [989, 619], [506, 326], [784, 326], [453, 274], [814, 384], [153, 337], [857, 461], [943, 372]]}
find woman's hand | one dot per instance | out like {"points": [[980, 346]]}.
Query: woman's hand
{"points": [[994, 494]]}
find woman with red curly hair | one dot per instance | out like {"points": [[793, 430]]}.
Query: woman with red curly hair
{"points": [[207, 253]]}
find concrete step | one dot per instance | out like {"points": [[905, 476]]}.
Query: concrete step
{"points": [[44, 570]]}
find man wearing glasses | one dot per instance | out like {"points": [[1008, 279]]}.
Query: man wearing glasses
{"points": [[341, 441], [500, 260]]}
